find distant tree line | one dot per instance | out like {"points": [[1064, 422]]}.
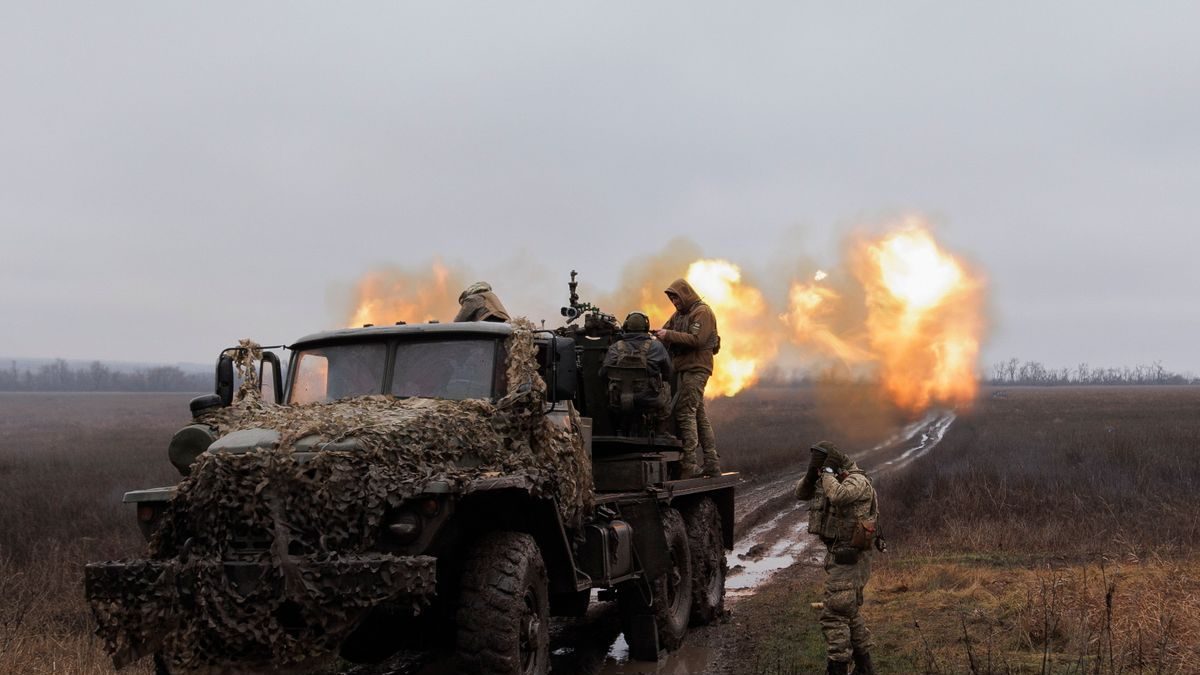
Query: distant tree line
{"points": [[60, 376], [1017, 372]]}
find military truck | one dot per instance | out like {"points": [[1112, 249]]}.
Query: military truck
{"points": [[461, 548]]}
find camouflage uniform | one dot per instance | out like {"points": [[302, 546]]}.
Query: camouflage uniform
{"points": [[693, 423], [479, 303], [691, 336], [836, 506]]}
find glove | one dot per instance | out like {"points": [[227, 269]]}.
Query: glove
{"points": [[831, 464], [817, 460]]}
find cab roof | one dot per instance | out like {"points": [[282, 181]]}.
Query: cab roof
{"points": [[489, 329]]}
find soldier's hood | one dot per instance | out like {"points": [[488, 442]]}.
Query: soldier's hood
{"points": [[686, 293], [477, 287]]}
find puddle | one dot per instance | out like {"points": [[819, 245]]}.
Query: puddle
{"points": [[686, 660], [752, 561], [931, 434]]}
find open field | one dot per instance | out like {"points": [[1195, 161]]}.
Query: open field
{"points": [[1052, 530]]}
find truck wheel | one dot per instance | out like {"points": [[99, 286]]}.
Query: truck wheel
{"points": [[703, 521], [503, 610], [671, 604]]}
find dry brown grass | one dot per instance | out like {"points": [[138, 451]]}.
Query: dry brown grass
{"points": [[65, 461], [1069, 472], [980, 616]]}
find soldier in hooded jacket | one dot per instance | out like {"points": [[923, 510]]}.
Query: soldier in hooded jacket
{"points": [[479, 303], [638, 349], [691, 338], [843, 511]]}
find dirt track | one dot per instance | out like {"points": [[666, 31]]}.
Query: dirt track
{"points": [[770, 535]]}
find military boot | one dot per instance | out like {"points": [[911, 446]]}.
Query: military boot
{"points": [[711, 469], [862, 663]]}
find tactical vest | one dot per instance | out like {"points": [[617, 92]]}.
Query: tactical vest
{"points": [[838, 524], [819, 514]]}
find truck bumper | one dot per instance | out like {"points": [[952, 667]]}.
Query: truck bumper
{"points": [[145, 606]]}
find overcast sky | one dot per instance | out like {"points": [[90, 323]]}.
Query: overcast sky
{"points": [[174, 176]]}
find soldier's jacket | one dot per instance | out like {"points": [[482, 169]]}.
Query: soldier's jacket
{"points": [[479, 303], [691, 333], [649, 354]]}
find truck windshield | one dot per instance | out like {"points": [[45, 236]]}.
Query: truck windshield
{"points": [[454, 369], [339, 371]]}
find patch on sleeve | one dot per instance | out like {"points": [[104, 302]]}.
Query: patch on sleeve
{"points": [[694, 329]]}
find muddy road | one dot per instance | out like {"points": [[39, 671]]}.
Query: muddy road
{"points": [[770, 535]]}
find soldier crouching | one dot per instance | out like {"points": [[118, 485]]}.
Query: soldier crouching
{"points": [[843, 512]]}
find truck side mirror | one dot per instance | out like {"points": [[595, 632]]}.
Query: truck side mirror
{"points": [[224, 387], [270, 378]]}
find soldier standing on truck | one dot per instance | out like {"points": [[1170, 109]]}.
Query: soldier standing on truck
{"points": [[479, 303], [638, 350], [691, 337], [843, 511]]}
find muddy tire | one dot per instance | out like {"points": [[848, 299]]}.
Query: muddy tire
{"points": [[503, 611], [703, 521], [671, 601]]}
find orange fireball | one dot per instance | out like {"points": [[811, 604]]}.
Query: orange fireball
{"points": [[923, 321], [924, 318], [391, 295]]}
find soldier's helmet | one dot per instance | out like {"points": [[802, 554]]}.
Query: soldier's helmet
{"points": [[834, 453], [636, 322], [826, 447]]}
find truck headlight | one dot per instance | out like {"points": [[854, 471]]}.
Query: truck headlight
{"points": [[187, 444]]}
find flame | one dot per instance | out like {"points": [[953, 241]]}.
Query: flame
{"points": [[924, 318], [391, 295], [923, 323], [741, 312]]}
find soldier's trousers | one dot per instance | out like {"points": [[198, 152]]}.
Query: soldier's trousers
{"points": [[692, 419], [841, 622]]}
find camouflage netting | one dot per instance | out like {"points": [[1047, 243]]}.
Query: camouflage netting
{"points": [[327, 510]]}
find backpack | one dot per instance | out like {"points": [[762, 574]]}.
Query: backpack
{"points": [[630, 377]]}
